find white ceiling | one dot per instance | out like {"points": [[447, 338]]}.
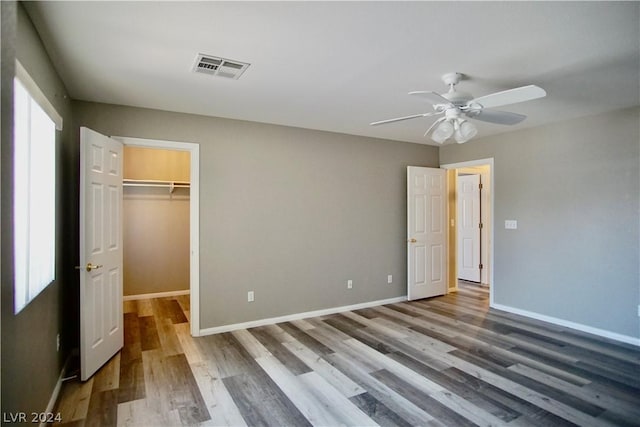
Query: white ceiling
{"points": [[338, 66]]}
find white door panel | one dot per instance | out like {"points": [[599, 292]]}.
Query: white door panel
{"points": [[426, 232], [101, 321], [469, 227]]}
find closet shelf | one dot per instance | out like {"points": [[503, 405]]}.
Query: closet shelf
{"points": [[171, 185]]}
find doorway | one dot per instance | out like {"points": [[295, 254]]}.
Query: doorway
{"points": [[484, 168], [155, 223], [192, 256]]}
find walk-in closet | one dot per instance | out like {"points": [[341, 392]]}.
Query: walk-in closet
{"points": [[155, 221]]}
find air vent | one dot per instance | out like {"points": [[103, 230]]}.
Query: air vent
{"points": [[220, 67]]}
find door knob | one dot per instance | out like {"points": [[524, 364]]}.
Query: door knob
{"points": [[89, 267], [412, 240]]}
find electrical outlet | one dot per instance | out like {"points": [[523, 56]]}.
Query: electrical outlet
{"points": [[390, 279], [349, 284], [58, 342], [511, 224], [250, 296]]}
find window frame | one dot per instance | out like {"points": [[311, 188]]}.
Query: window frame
{"points": [[36, 126]]}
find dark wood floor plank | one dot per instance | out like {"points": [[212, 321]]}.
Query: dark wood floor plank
{"points": [[108, 377], [149, 339], [288, 359], [616, 392], [343, 323], [305, 338], [229, 356], [422, 400], [397, 403], [544, 389], [402, 309], [103, 409], [593, 373], [131, 381], [357, 331], [367, 313], [618, 419], [500, 410], [168, 308], [545, 402], [169, 342], [621, 406], [185, 395], [623, 376], [335, 339], [185, 303], [261, 402], [175, 311], [528, 411], [378, 411], [628, 368]]}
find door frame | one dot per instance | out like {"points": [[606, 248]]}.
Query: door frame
{"points": [[194, 216], [491, 186]]}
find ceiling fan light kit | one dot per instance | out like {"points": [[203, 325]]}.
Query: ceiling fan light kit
{"points": [[442, 132], [457, 106], [465, 131]]}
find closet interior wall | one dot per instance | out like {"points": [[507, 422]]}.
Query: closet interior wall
{"points": [[156, 221]]}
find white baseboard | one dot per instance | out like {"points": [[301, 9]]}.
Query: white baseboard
{"points": [[578, 326], [155, 295], [298, 316], [56, 390]]}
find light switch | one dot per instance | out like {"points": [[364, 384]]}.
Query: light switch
{"points": [[511, 224]]}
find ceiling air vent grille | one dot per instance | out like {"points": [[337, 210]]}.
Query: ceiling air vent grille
{"points": [[220, 67]]}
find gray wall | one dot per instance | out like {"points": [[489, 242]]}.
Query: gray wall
{"points": [[573, 188], [289, 213], [155, 240], [30, 363]]}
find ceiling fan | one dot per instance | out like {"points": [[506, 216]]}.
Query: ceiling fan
{"points": [[457, 107]]}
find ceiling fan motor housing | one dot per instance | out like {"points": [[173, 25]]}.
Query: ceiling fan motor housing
{"points": [[458, 99], [451, 78]]}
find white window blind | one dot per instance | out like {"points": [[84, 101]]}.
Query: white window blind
{"points": [[34, 196]]}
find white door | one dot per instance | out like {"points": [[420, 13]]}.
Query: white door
{"points": [[426, 232], [101, 319], [469, 227]]}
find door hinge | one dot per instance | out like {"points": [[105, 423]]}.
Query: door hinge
{"points": [[480, 186], [480, 225], [480, 266]]}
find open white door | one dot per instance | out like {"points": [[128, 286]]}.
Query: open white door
{"points": [[101, 321], [469, 227], [426, 232]]}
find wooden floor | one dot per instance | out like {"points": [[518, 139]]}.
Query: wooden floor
{"points": [[441, 361]]}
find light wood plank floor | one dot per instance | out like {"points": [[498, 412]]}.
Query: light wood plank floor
{"points": [[440, 361]]}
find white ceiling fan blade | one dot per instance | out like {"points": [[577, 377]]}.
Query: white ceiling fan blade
{"points": [[432, 97], [398, 119], [498, 117], [434, 125], [510, 96]]}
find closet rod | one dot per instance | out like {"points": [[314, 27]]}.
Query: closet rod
{"points": [[155, 183]]}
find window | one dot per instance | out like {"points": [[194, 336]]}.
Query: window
{"points": [[34, 203]]}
